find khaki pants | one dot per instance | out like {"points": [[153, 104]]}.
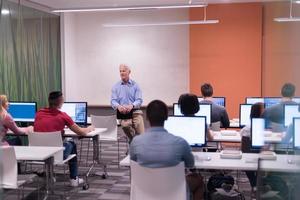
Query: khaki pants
{"points": [[134, 126]]}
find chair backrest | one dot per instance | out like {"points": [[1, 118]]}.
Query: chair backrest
{"points": [[48, 139], [8, 168], [109, 122], [216, 126], [157, 183]]}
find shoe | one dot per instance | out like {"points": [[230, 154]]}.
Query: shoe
{"points": [[76, 182]]}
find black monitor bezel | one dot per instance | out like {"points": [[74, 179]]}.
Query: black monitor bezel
{"points": [[205, 129], [24, 102], [86, 103]]}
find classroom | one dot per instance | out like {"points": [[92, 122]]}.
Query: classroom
{"points": [[101, 64]]}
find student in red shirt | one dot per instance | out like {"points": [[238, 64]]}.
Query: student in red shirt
{"points": [[52, 119]]}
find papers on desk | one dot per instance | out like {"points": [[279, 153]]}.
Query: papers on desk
{"points": [[231, 154]]}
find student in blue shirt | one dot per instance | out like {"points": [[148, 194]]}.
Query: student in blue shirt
{"points": [[158, 148], [126, 99]]}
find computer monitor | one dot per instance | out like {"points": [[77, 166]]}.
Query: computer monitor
{"points": [[253, 100], [296, 131], [270, 101], [217, 100], [22, 111], [76, 110], [257, 132], [296, 99], [245, 110], [291, 111], [192, 129], [204, 110]]}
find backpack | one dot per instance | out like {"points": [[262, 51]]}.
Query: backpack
{"points": [[226, 192], [216, 181]]}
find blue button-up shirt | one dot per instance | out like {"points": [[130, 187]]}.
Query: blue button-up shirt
{"points": [[126, 94], [157, 148]]}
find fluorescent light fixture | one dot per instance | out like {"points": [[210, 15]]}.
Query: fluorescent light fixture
{"points": [[132, 8], [287, 19], [290, 18], [164, 23], [4, 12]]}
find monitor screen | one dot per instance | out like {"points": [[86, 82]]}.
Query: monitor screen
{"points": [[253, 100], [296, 99], [296, 133], [245, 110], [257, 132], [205, 110], [270, 101], [192, 129], [22, 111], [290, 111], [76, 110], [217, 100]]}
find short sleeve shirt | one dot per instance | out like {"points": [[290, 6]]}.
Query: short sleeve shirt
{"points": [[50, 120]]}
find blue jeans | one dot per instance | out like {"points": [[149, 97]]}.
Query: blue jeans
{"points": [[70, 148]]}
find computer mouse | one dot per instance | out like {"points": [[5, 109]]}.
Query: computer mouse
{"points": [[290, 161]]}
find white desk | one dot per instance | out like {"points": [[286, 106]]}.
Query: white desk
{"points": [[38, 153], [215, 162], [94, 135]]}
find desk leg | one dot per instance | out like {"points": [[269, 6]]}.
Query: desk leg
{"points": [[49, 176], [96, 148]]}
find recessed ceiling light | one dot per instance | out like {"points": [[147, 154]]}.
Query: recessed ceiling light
{"points": [[4, 12]]}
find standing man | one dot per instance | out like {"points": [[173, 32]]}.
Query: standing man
{"points": [[126, 99]]}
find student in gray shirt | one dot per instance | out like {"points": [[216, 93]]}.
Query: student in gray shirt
{"points": [[218, 113], [157, 148]]}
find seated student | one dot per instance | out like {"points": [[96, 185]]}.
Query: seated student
{"points": [[256, 112], [189, 106], [218, 113], [157, 148], [275, 113], [52, 119], [7, 122]]}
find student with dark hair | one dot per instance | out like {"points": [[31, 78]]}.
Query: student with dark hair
{"points": [[157, 148], [219, 113], [189, 104], [275, 113], [256, 112], [52, 119]]}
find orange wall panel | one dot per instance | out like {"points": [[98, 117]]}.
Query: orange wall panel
{"points": [[227, 54]]}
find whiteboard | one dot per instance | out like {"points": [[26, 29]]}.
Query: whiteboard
{"points": [[158, 55]]}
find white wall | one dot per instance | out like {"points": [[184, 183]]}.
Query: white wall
{"points": [[158, 55]]}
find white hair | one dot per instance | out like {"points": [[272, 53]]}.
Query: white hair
{"points": [[126, 66]]}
